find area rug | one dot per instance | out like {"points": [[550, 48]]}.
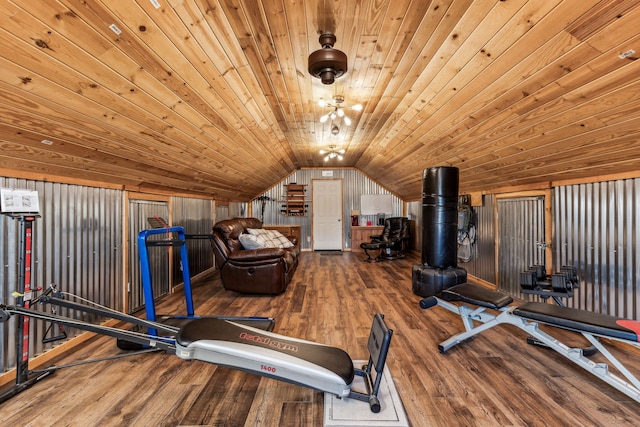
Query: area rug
{"points": [[354, 413]]}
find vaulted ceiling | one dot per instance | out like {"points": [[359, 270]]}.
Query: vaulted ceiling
{"points": [[213, 97]]}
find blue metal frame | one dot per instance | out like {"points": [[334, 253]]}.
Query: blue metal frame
{"points": [[145, 267], [179, 240]]}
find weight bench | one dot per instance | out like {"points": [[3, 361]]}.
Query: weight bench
{"points": [[292, 360], [529, 315]]}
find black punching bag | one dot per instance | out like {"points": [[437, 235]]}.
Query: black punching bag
{"points": [[439, 269], [440, 216]]}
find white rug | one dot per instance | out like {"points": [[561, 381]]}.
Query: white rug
{"points": [[354, 413]]}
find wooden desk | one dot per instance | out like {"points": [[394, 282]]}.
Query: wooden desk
{"points": [[362, 234]]}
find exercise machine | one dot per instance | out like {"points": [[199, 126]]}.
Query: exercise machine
{"points": [[22, 205], [23, 295], [236, 343], [237, 346], [145, 335], [221, 341], [176, 237], [528, 316], [292, 360]]}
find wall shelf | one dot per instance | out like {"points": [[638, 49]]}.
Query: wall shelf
{"points": [[295, 203]]}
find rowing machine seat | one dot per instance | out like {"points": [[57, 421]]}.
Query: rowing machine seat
{"points": [[580, 320], [267, 354], [476, 295]]}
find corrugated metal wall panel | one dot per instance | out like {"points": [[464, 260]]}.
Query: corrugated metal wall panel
{"points": [[354, 184], [139, 212], [236, 209], [222, 212], [232, 210], [482, 264], [521, 225], [78, 240], [414, 213], [597, 230], [77, 245], [196, 216]]}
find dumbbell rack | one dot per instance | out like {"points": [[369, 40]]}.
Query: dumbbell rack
{"points": [[536, 281]]}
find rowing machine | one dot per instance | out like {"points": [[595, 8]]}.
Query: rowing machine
{"points": [[529, 315]]}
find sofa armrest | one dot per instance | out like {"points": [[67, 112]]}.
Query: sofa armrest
{"points": [[252, 255]]}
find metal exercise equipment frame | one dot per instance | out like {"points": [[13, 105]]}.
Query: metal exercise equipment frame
{"points": [[145, 266], [557, 286], [52, 296], [215, 345], [292, 360], [527, 318], [378, 345], [158, 336], [177, 238], [23, 294]]}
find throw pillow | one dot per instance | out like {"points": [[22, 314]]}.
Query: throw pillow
{"points": [[257, 231], [249, 241], [270, 238], [279, 239]]}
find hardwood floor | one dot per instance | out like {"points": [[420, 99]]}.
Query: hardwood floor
{"points": [[495, 379]]}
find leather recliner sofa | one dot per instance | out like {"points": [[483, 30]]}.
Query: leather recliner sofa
{"points": [[254, 271]]}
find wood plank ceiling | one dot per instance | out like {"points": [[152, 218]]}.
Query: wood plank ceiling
{"points": [[213, 97]]}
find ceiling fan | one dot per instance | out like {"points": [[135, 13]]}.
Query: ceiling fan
{"points": [[327, 63]]}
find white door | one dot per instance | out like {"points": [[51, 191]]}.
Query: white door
{"points": [[327, 214]]}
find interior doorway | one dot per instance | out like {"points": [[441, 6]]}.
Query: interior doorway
{"points": [[523, 238], [326, 202], [139, 211]]}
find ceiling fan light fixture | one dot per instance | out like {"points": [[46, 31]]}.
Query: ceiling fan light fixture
{"points": [[327, 63], [338, 109], [332, 153]]}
